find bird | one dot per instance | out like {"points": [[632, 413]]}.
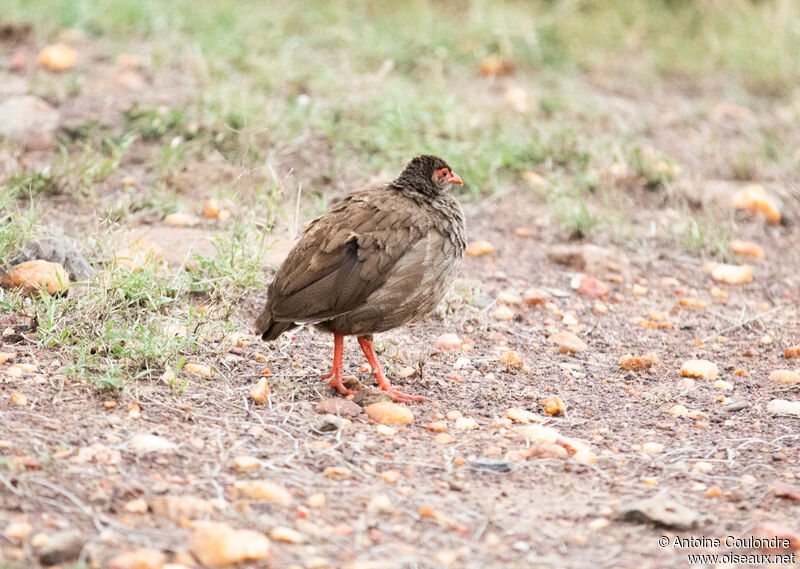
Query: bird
{"points": [[378, 259]]}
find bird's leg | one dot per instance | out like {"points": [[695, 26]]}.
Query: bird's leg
{"points": [[336, 372], [383, 383]]}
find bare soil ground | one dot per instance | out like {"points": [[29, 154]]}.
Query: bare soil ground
{"points": [[67, 463]]}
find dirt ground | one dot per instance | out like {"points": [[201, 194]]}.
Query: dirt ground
{"points": [[69, 460]]}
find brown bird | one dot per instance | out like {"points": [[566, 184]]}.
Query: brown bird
{"points": [[378, 259]]}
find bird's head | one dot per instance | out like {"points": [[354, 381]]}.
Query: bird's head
{"points": [[428, 174]]}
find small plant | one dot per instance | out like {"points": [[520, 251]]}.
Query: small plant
{"points": [[705, 236], [652, 167]]}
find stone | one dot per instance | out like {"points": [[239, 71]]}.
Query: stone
{"points": [[60, 250], [591, 259], [784, 376], [57, 57], [26, 118], [339, 406], [62, 547], [747, 249], [755, 199], [593, 288], [31, 275], [632, 363], [142, 444], [138, 559], [732, 274], [700, 368], [216, 544], [567, 342], [662, 511], [264, 490], [389, 413], [784, 407]]}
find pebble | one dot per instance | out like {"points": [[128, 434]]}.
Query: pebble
{"points": [[264, 490], [244, 463], [61, 547], [598, 523], [662, 510], [479, 248], [211, 209], [747, 249], [199, 369], [138, 559], [380, 504], [791, 352], [534, 297], [385, 430], [679, 411], [508, 297], [29, 276], [503, 312], [29, 121], [18, 399], [633, 363], [447, 342], [317, 500], [702, 466], [178, 219], [755, 199], [388, 413], [60, 250], [337, 472], [519, 415], [732, 274], [144, 444], [390, 476], [260, 392], [466, 424], [215, 544], [17, 531], [784, 376], [437, 426], [136, 506], [57, 57], [652, 448], [723, 385], [784, 407], [443, 439], [569, 319], [511, 358], [593, 288], [286, 535], [554, 406], [567, 342], [178, 508], [700, 368]]}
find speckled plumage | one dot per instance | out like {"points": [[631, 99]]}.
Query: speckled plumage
{"points": [[378, 259]]}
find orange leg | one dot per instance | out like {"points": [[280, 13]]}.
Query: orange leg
{"points": [[383, 383], [336, 372]]}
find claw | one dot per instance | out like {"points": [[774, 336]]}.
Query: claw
{"points": [[383, 383]]}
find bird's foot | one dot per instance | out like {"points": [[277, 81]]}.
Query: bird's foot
{"points": [[338, 384], [398, 395], [327, 375]]}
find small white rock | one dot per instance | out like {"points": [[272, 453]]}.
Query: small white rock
{"points": [[784, 407]]}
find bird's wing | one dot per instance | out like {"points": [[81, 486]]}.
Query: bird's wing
{"points": [[345, 256]]}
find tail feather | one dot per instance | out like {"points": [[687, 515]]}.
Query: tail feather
{"points": [[268, 328]]}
